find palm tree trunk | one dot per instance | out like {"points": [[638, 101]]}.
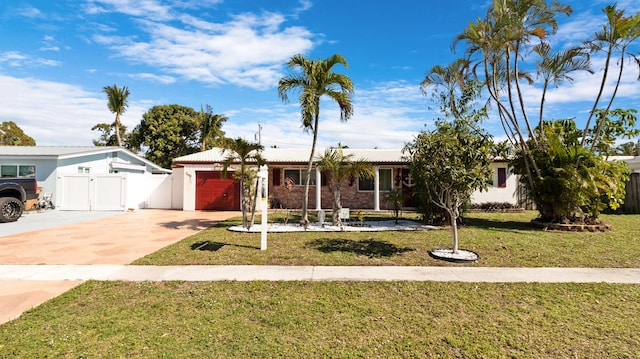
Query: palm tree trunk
{"points": [[305, 201], [544, 94], [596, 135], [519, 91], [255, 202], [118, 138], [243, 201], [337, 207], [595, 104]]}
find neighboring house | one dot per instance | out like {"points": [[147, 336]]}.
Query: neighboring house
{"points": [[632, 199], [633, 162], [90, 178], [199, 183]]}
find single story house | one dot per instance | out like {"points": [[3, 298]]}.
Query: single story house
{"points": [[90, 178], [199, 183]]}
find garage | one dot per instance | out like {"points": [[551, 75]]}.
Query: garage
{"points": [[216, 192]]}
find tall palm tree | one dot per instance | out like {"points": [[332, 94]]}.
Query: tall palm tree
{"points": [[210, 125], [117, 102], [453, 77], [314, 80], [244, 151], [502, 39], [629, 149], [339, 167], [556, 67], [617, 34]]}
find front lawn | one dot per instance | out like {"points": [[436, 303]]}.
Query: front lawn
{"points": [[330, 320], [501, 240]]}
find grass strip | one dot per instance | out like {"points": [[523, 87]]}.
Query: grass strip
{"points": [[329, 319], [501, 240]]}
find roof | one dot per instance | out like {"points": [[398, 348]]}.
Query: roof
{"points": [[64, 152], [291, 156]]}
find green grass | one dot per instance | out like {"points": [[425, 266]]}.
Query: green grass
{"points": [[352, 319], [330, 319], [501, 240]]}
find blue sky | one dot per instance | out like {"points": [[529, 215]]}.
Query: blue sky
{"points": [[55, 57]]}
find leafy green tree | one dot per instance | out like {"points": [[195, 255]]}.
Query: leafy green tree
{"points": [[448, 164], [338, 168], [107, 134], [166, 132], [244, 151], [452, 161], [566, 192], [314, 80], [117, 102], [210, 126], [12, 135]]}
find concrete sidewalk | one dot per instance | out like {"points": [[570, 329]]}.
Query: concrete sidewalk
{"points": [[317, 273]]}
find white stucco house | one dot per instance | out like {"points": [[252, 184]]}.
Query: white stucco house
{"points": [[90, 178], [200, 185]]}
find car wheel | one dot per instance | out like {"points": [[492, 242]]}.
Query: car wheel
{"points": [[10, 209]]}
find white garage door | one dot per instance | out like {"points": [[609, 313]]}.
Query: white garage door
{"points": [[105, 192]]}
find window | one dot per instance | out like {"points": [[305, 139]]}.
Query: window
{"points": [[502, 177], [297, 176], [276, 176], [18, 171], [84, 170], [366, 184]]}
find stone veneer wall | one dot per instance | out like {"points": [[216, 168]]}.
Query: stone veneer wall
{"points": [[350, 197]]}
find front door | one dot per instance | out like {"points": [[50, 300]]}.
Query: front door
{"points": [[407, 188]]}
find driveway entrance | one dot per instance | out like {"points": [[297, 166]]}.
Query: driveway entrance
{"points": [[117, 239]]}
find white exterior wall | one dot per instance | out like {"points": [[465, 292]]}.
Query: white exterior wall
{"points": [[498, 194], [177, 188], [45, 171], [159, 191]]}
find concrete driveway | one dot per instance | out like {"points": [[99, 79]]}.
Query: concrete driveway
{"points": [[58, 237]]}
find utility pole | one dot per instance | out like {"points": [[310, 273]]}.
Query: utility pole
{"points": [[259, 136]]}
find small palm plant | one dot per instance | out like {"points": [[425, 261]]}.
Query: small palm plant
{"points": [[243, 151], [339, 167], [395, 198]]}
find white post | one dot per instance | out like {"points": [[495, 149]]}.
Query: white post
{"points": [[318, 190], [263, 174], [376, 190]]}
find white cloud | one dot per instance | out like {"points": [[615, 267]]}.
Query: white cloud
{"points": [[249, 50], [30, 12], [154, 78], [141, 8], [49, 44], [57, 113], [387, 116], [17, 59]]}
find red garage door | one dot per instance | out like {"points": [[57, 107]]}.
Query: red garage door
{"points": [[215, 192]]}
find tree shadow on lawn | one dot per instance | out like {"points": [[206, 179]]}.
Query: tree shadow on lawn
{"points": [[369, 247], [215, 246], [192, 224], [493, 224]]}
